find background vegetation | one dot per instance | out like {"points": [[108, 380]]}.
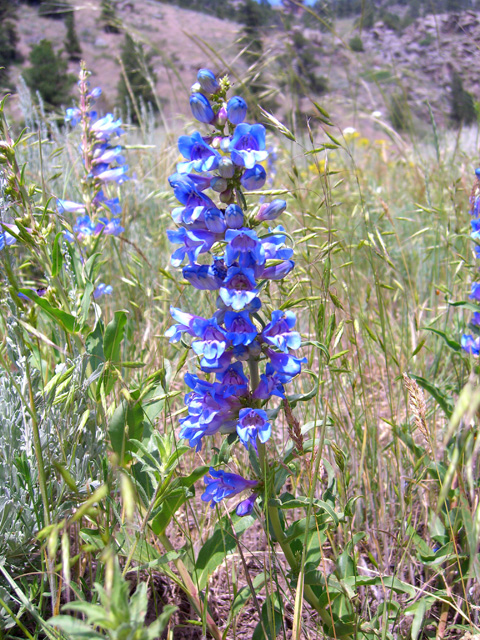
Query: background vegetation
{"points": [[101, 526]]}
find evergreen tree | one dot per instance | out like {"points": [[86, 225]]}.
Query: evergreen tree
{"points": [[8, 34], [139, 73], [252, 18], [461, 102], [108, 16], [71, 43], [48, 74]]}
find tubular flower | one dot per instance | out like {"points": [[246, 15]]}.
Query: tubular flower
{"points": [[247, 352], [471, 343]]}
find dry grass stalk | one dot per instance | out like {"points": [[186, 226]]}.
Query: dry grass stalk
{"points": [[294, 430], [417, 406]]}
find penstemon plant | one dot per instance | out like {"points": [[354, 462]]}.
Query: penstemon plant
{"points": [[245, 351], [471, 343]]}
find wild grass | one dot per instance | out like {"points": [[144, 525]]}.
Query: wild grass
{"points": [[381, 231]]}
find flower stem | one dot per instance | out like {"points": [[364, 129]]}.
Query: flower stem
{"points": [[192, 591]]}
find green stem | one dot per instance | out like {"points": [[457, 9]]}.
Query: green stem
{"points": [[274, 517], [192, 591], [294, 565], [42, 481]]}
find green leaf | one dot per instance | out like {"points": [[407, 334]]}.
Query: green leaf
{"points": [[126, 424], [57, 255], [213, 552], [453, 344], [64, 319], [74, 627], [180, 492], [271, 607], [114, 336]]}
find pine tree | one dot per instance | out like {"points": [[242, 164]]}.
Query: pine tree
{"points": [[108, 16], [48, 74], [251, 38], [71, 43], [139, 75], [462, 104]]}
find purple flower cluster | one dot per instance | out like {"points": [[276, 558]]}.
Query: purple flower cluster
{"points": [[471, 343], [104, 164], [224, 249]]}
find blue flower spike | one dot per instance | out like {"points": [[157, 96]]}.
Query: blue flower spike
{"points": [[471, 343], [223, 248]]}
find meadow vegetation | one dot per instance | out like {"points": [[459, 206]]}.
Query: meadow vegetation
{"points": [[375, 466]]}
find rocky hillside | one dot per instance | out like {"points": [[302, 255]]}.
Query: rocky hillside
{"points": [[418, 60], [173, 35]]}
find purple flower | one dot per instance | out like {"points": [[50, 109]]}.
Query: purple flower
{"points": [[285, 364], [236, 110], [103, 173], [105, 154], [234, 216], [475, 295], [247, 145], [73, 116], [213, 341], [244, 246], [254, 178], [6, 238], [271, 384], [194, 243], [108, 227], [208, 411], [204, 277], [253, 423], [470, 344], [188, 194], [70, 207], [278, 332], [234, 381], [274, 245], [223, 485], [240, 329], [245, 507], [84, 227], [200, 156], [214, 220], [185, 324], [208, 81], [105, 127], [102, 290], [278, 271], [201, 108], [239, 288], [272, 210]]}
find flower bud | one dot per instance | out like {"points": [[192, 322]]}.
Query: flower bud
{"points": [[219, 184], [201, 109], [271, 210], [236, 110], [216, 142], [245, 507], [196, 88], [226, 168], [208, 81], [234, 216], [226, 196], [254, 178], [221, 117], [214, 221]]}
